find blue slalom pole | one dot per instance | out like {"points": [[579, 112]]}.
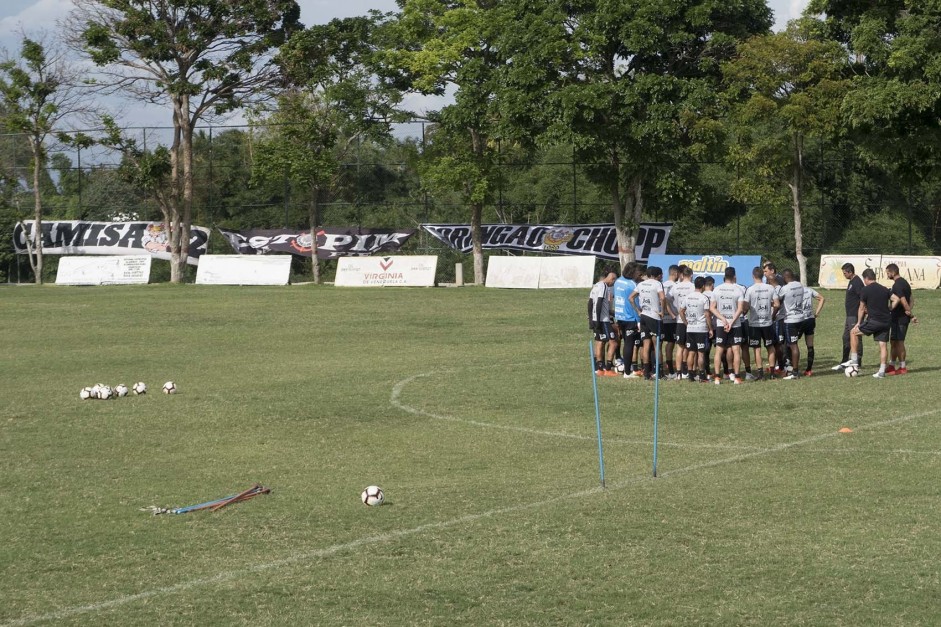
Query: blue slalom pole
{"points": [[594, 380], [656, 397]]}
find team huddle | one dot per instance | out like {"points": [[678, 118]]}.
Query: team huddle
{"points": [[691, 320]]}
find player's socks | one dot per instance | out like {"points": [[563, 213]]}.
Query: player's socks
{"points": [[810, 358], [854, 357]]}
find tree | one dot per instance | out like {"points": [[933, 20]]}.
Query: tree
{"points": [[784, 90], [443, 45], [38, 92], [629, 84], [200, 57], [335, 101]]}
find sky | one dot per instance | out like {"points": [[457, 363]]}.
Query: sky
{"points": [[37, 16]]}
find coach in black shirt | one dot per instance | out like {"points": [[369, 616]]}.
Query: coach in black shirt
{"points": [[874, 303]]}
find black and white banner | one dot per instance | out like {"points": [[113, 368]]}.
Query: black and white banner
{"points": [[599, 240], [76, 237], [332, 242]]}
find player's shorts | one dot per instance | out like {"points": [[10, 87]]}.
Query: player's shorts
{"points": [[732, 337], [669, 331], [793, 331], [606, 334], [761, 336], [649, 327], [899, 328], [680, 335], [777, 330], [878, 330], [697, 341], [810, 325], [630, 332]]}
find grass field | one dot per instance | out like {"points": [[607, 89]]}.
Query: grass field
{"points": [[473, 409]]}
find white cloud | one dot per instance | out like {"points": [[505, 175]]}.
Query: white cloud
{"points": [[40, 15]]}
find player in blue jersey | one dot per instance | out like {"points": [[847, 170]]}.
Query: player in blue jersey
{"points": [[626, 319]]}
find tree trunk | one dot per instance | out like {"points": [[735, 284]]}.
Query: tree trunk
{"points": [[172, 212], [314, 225], [796, 185], [627, 217], [477, 212], [187, 218], [36, 146]]}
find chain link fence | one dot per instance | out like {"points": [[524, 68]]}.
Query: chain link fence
{"points": [[846, 208]]}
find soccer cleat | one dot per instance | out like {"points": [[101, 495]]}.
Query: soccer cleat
{"points": [[791, 377], [633, 375], [750, 377], [890, 369], [609, 373], [808, 373], [879, 375], [902, 371], [717, 381], [838, 367], [736, 381], [848, 362]]}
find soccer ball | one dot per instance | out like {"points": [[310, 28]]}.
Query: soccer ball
{"points": [[851, 371], [85, 394], [169, 387], [373, 495], [140, 388], [105, 392], [120, 390], [619, 365]]}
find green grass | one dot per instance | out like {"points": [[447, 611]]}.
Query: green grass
{"points": [[453, 401]]}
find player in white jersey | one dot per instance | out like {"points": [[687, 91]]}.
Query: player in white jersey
{"points": [[681, 290], [791, 296], [650, 302], [728, 306], [599, 321], [697, 321], [761, 305], [811, 311], [707, 292], [669, 321]]}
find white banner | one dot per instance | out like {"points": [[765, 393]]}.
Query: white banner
{"points": [[120, 270], [399, 271], [243, 270], [924, 273], [540, 272]]}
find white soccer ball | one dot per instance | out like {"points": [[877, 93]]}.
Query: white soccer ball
{"points": [[619, 365], [95, 389], [85, 394], [373, 495], [120, 390], [851, 371], [105, 392], [169, 387], [139, 388]]}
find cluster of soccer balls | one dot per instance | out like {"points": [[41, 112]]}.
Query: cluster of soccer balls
{"points": [[102, 392]]}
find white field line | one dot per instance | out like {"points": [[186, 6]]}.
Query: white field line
{"points": [[397, 403], [306, 556], [871, 451]]}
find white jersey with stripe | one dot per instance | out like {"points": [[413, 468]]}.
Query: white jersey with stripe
{"points": [[668, 286], [792, 302], [760, 298], [599, 291], [696, 308], [809, 295], [680, 293], [648, 298], [728, 296]]}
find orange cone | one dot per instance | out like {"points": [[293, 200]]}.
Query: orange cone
{"points": [[846, 430]]}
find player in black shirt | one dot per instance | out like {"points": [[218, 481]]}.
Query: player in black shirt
{"points": [[874, 304], [853, 292], [901, 315]]}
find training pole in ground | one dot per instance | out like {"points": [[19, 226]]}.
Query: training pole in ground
{"points": [[656, 397], [594, 380]]}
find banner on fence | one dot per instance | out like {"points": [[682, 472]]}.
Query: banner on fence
{"points": [[924, 273], [710, 265], [540, 272], [243, 270], [598, 240], [78, 237], [332, 242], [105, 270], [401, 271]]}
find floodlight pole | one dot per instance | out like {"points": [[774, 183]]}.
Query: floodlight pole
{"points": [[594, 380]]}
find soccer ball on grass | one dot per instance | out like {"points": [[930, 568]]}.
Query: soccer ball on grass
{"points": [[139, 388], [85, 394], [169, 387], [851, 371], [120, 390], [372, 495]]}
